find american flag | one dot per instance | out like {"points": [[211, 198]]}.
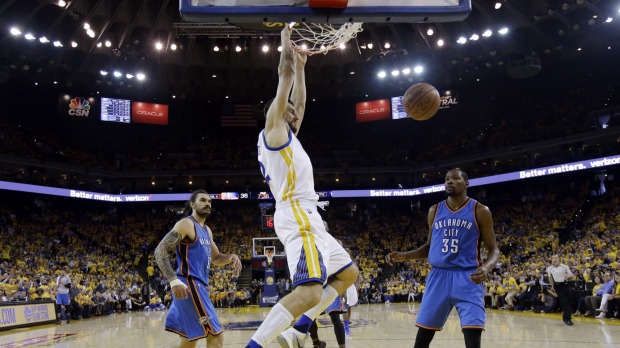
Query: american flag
{"points": [[238, 115]]}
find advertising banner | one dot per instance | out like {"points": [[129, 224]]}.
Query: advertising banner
{"points": [[149, 113], [25, 314], [373, 110]]}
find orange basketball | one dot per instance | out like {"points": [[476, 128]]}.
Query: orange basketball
{"points": [[421, 101]]}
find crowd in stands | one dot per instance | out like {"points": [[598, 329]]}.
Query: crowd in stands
{"points": [[109, 253]]}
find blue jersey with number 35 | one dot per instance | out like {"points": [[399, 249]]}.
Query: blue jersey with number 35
{"points": [[194, 259], [455, 242]]}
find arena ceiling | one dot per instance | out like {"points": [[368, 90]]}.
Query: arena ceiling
{"points": [[542, 34]]}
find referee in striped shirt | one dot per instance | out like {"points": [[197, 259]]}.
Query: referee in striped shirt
{"points": [[558, 275]]}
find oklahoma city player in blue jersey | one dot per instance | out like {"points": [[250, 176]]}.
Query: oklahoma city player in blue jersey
{"points": [[313, 255], [195, 317], [456, 228]]}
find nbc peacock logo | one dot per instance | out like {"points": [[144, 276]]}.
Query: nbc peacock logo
{"points": [[79, 107]]}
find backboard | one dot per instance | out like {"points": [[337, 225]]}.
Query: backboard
{"points": [[261, 245], [323, 11]]}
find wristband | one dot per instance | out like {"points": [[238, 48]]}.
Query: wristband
{"points": [[177, 282]]}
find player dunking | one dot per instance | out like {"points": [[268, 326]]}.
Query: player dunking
{"points": [[192, 241], [312, 253], [456, 227]]}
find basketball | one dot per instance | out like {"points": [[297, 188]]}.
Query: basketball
{"points": [[421, 101]]}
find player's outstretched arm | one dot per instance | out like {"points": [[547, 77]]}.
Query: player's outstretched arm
{"points": [[419, 253], [219, 259], [276, 132], [298, 95]]}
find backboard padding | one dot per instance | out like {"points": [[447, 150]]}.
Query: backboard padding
{"points": [[257, 11]]}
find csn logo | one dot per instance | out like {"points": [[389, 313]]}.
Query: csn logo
{"points": [[79, 107]]}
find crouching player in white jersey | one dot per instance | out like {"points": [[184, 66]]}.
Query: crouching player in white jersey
{"points": [[313, 254]]}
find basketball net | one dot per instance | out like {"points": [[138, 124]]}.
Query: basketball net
{"points": [[322, 38], [269, 256]]}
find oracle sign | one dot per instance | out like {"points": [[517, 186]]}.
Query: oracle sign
{"points": [[149, 113], [373, 110]]}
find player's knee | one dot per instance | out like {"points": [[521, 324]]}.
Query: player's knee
{"points": [[310, 294], [351, 274], [313, 298]]}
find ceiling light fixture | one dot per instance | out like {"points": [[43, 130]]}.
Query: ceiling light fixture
{"points": [[418, 69], [370, 45], [108, 43], [440, 42], [173, 46], [140, 76], [381, 74], [158, 46], [265, 48], [117, 74], [498, 5], [487, 33], [15, 31], [62, 3], [430, 32], [237, 48], [503, 31], [74, 44], [461, 40]]}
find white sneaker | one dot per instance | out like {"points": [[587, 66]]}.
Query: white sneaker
{"points": [[600, 316], [291, 338]]}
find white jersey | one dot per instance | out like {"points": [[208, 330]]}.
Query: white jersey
{"points": [[287, 169]]}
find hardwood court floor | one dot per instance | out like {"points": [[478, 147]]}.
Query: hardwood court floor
{"points": [[373, 326]]}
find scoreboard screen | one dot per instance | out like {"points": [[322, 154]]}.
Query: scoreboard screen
{"points": [[267, 222], [398, 111], [115, 110]]}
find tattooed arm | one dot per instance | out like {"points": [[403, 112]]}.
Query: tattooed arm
{"points": [[181, 229]]}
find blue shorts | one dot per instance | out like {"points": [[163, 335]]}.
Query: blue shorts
{"points": [[63, 299], [195, 317], [448, 288]]}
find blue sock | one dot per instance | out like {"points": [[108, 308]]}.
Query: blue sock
{"points": [[303, 324], [253, 344]]}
